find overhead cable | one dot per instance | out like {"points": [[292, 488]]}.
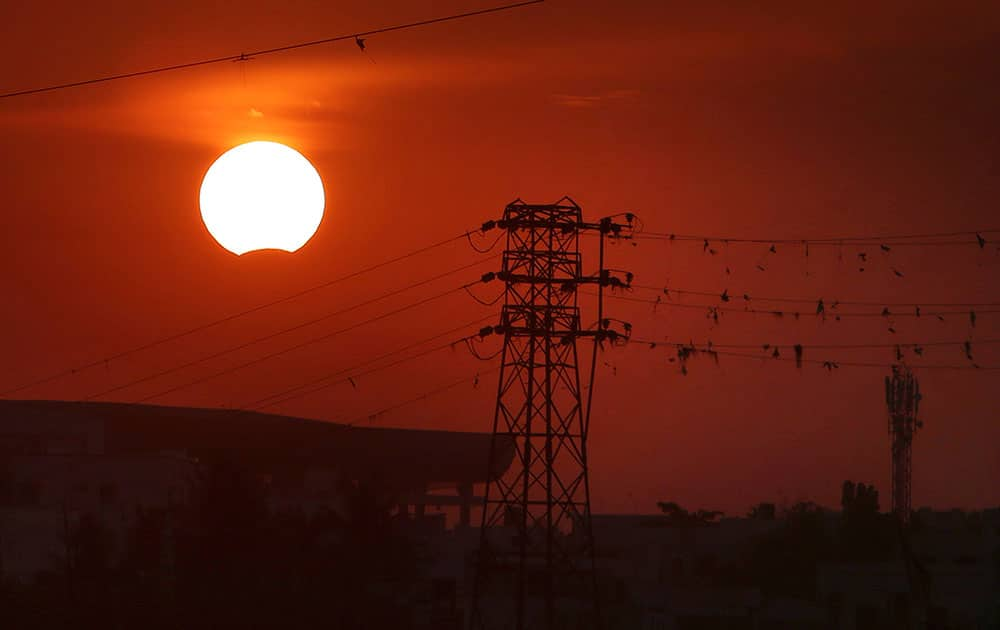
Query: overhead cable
{"points": [[969, 237], [309, 342], [244, 56], [433, 392], [285, 331], [228, 318], [747, 297], [779, 313], [324, 381]]}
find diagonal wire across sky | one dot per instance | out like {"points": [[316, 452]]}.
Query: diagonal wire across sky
{"points": [[244, 56]]}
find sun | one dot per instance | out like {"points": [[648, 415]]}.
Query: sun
{"points": [[262, 195]]}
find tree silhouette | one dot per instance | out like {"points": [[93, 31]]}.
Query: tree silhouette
{"points": [[866, 535], [763, 511], [676, 515]]}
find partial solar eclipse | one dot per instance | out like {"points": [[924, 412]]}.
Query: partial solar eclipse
{"points": [[262, 195]]}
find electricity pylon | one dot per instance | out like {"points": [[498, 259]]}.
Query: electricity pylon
{"points": [[535, 564]]}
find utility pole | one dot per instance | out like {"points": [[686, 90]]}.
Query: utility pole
{"points": [[902, 397], [535, 566]]}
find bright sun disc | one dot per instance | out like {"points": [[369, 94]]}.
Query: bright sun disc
{"points": [[262, 195]]}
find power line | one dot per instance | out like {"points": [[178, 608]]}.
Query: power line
{"points": [[972, 237], [807, 243], [832, 365], [292, 392], [304, 344], [229, 318], [485, 302], [284, 331], [423, 396], [819, 346], [832, 314], [474, 352], [666, 290], [353, 377], [860, 346], [689, 350], [267, 51], [488, 248]]}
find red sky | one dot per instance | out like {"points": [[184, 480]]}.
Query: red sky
{"points": [[783, 123]]}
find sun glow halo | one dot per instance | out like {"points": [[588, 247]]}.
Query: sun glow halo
{"points": [[262, 195]]}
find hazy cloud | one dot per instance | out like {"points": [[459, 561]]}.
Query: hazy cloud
{"points": [[594, 100]]}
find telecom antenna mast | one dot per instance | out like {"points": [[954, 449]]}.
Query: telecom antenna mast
{"points": [[902, 396], [535, 566]]}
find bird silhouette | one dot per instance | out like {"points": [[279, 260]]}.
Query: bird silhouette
{"points": [[981, 240], [798, 355], [360, 41], [899, 274], [820, 309], [972, 318], [884, 247], [773, 249], [725, 295]]}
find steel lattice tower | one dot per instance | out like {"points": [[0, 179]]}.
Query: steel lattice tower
{"points": [[902, 396], [535, 562]]}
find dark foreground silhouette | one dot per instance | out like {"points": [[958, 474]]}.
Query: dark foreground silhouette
{"points": [[227, 560]]}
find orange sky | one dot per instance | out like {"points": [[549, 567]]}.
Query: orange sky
{"points": [[849, 120]]}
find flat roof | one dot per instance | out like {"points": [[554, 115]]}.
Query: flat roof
{"points": [[261, 439]]}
